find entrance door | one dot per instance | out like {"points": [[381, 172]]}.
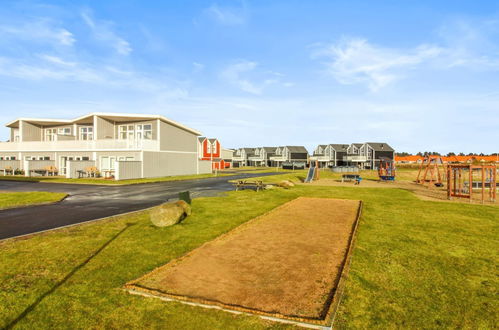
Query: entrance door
{"points": [[64, 164]]}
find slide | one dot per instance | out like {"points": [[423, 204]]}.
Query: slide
{"points": [[311, 174]]}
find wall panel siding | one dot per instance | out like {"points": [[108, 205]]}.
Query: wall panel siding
{"points": [[128, 170], [31, 132], [175, 139], [105, 129], [30, 165], [205, 166], [158, 164], [13, 164]]}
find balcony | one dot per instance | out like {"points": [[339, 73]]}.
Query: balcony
{"points": [[80, 145], [279, 158], [355, 158], [322, 158]]}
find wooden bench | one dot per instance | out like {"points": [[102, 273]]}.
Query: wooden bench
{"points": [[243, 184]]}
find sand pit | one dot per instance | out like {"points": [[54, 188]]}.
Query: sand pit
{"points": [[286, 263]]}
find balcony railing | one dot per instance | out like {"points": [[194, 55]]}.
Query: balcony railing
{"points": [[107, 144], [355, 158]]}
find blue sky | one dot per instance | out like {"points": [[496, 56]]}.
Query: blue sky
{"points": [[421, 75]]}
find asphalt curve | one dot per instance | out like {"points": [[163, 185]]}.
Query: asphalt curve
{"points": [[90, 202]]}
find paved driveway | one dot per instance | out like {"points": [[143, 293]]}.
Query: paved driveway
{"points": [[90, 202]]}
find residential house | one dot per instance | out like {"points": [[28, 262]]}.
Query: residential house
{"points": [[211, 150], [241, 156], [367, 155], [330, 155], [295, 156], [122, 146], [261, 156]]}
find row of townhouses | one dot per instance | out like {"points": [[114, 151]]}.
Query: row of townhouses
{"points": [[363, 155], [123, 146], [271, 156], [129, 146]]}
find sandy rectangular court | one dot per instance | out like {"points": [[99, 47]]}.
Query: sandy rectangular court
{"points": [[285, 263]]}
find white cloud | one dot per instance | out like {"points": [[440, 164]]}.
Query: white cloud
{"points": [[354, 60], [246, 76], [227, 16], [103, 31], [38, 30], [234, 72]]}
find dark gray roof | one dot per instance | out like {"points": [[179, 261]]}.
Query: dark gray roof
{"points": [[380, 146], [358, 145], [269, 149], [248, 150], [297, 149], [201, 138], [212, 140], [340, 147]]}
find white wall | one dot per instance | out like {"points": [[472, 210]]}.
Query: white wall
{"points": [[128, 170]]}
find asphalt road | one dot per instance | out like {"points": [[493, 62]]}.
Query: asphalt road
{"points": [[90, 202]]}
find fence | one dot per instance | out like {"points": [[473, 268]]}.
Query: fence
{"points": [[345, 169], [9, 164], [74, 166], [126, 170]]}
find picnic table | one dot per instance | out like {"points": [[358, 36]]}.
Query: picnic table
{"points": [[47, 170], [351, 177], [8, 169], [243, 184]]}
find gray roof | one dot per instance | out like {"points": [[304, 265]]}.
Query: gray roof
{"points": [[380, 146], [340, 147], [269, 149], [358, 145], [297, 149], [212, 140], [201, 138]]}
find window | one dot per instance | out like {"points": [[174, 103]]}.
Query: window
{"points": [[65, 131], [148, 131], [139, 131], [50, 134], [125, 159], [86, 133], [108, 163], [208, 147]]}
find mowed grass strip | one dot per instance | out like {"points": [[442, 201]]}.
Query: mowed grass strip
{"points": [[285, 263], [416, 264], [103, 181], [18, 199]]}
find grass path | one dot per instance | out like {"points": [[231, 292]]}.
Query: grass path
{"points": [[416, 264], [17, 199]]}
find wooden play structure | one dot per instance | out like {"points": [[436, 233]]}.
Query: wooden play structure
{"points": [[386, 169], [430, 171], [463, 179]]}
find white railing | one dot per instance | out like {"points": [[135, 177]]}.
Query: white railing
{"points": [[279, 158], [322, 158], [355, 158], [108, 144]]}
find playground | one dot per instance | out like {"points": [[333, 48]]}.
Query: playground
{"points": [[268, 266]]}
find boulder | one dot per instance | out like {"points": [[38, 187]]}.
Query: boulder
{"points": [[184, 205], [168, 214], [286, 184]]}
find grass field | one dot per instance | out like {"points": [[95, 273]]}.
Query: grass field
{"points": [[102, 181], [416, 264], [17, 199]]}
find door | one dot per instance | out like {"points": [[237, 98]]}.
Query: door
{"points": [[64, 164]]}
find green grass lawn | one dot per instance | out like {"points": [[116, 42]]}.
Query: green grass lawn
{"points": [[103, 181], [416, 264], [17, 199]]}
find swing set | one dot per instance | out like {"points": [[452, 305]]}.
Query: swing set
{"points": [[431, 174], [463, 179], [386, 169]]}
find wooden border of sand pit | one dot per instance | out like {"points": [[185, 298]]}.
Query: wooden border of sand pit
{"points": [[330, 306]]}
